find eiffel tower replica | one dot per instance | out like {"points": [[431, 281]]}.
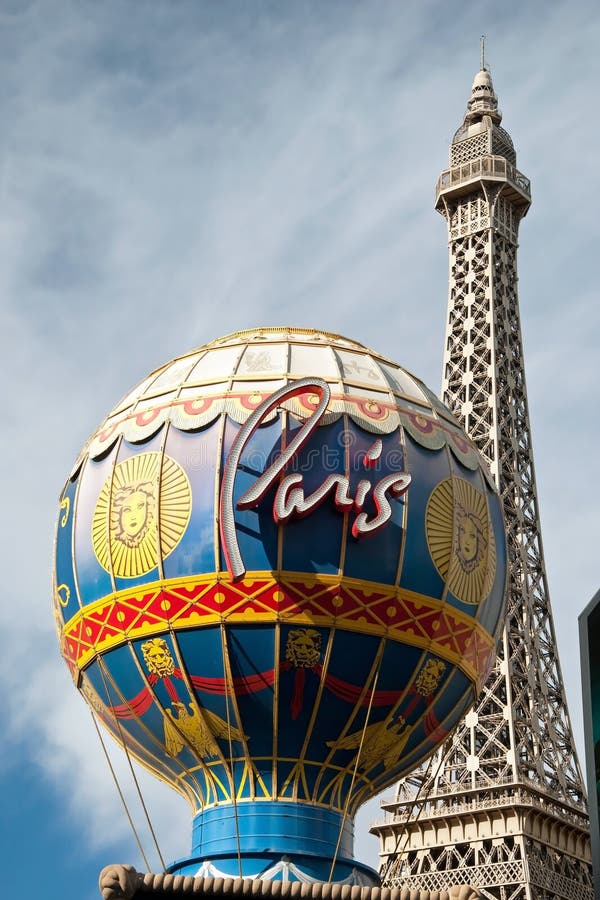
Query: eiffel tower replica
{"points": [[502, 806]]}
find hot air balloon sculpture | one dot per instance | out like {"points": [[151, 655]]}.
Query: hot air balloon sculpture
{"points": [[280, 567]]}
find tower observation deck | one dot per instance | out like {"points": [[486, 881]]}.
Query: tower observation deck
{"points": [[502, 806]]}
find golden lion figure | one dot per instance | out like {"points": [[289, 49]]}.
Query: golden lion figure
{"points": [[429, 677], [303, 648], [157, 657]]}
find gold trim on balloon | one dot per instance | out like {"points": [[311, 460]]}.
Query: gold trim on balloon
{"points": [[460, 539], [63, 601], [298, 599], [66, 505], [125, 526]]}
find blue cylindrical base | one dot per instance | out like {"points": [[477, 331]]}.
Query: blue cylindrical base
{"points": [[278, 840]]}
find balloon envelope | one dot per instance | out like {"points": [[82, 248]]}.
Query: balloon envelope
{"points": [[279, 570]]}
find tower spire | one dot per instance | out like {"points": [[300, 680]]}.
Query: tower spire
{"points": [[503, 806], [483, 100], [482, 52]]}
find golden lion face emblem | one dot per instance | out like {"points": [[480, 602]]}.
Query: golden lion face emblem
{"points": [[429, 677], [303, 648], [157, 657]]}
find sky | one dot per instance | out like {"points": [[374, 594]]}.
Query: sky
{"points": [[174, 171]]}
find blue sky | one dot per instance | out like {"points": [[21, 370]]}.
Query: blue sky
{"points": [[173, 171]]}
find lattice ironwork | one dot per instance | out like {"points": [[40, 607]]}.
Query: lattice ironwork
{"points": [[503, 807], [503, 145], [471, 148]]}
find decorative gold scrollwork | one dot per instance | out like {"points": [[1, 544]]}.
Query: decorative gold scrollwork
{"points": [[66, 505], [63, 601]]}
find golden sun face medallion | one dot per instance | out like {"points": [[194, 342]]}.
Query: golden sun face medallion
{"points": [[141, 514], [460, 539]]}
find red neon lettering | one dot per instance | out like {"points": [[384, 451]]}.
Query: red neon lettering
{"points": [[290, 499]]}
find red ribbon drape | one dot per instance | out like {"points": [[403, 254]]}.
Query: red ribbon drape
{"points": [[251, 684]]}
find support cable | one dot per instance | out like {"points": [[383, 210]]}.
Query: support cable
{"points": [[358, 754], [101, 666], [120, 792], [229, 689]]}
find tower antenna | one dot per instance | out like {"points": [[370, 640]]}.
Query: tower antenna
{"points": [[482, 50]]}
